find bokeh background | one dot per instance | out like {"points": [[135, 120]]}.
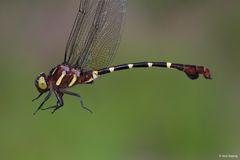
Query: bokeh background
{"points": [[140, 114]]}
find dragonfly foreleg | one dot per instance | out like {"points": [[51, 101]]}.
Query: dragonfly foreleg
{"points": [[37, 97], [45, 99]]}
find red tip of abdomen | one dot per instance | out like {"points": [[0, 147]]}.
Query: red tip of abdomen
{"points": [[207, 74], [193, 72]]}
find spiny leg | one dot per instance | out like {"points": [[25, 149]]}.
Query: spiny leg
{"points": [[59, 103], [81, 100], [45, 99], [37, 97]]}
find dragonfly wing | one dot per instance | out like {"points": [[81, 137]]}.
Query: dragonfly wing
{"points": [[96, 34]]}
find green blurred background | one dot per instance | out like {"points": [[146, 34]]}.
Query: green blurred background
{"points": [[140, 114]]}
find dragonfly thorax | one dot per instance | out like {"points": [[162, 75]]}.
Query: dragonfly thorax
{"points": [[64, 76]]}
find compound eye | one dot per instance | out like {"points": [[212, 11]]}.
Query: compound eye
{"points": [[42, 84]]}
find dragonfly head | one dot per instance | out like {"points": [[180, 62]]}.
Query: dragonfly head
{"points": [[41, 83]]}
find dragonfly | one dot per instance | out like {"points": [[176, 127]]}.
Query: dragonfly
{"points": [[90, 49]]}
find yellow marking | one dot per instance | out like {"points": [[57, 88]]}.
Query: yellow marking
{"points": [[74, 79], [61, 78], [169, 65], [111, 69], [130, 66], [42, 83], [90, 80], [95, 74], [150, 64]]}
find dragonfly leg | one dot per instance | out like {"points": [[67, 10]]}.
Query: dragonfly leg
{"points": [[37, 97], [55, 106], [45, 99], [59, 104], [81, 100]]}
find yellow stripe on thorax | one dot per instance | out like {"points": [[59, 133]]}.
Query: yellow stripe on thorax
{"points": [[74, 79], [61, 78]]}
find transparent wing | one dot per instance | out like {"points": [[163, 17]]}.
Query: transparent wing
{"points": [[96, 34]]}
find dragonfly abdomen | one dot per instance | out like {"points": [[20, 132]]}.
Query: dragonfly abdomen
{"points": [[192, 71]]}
